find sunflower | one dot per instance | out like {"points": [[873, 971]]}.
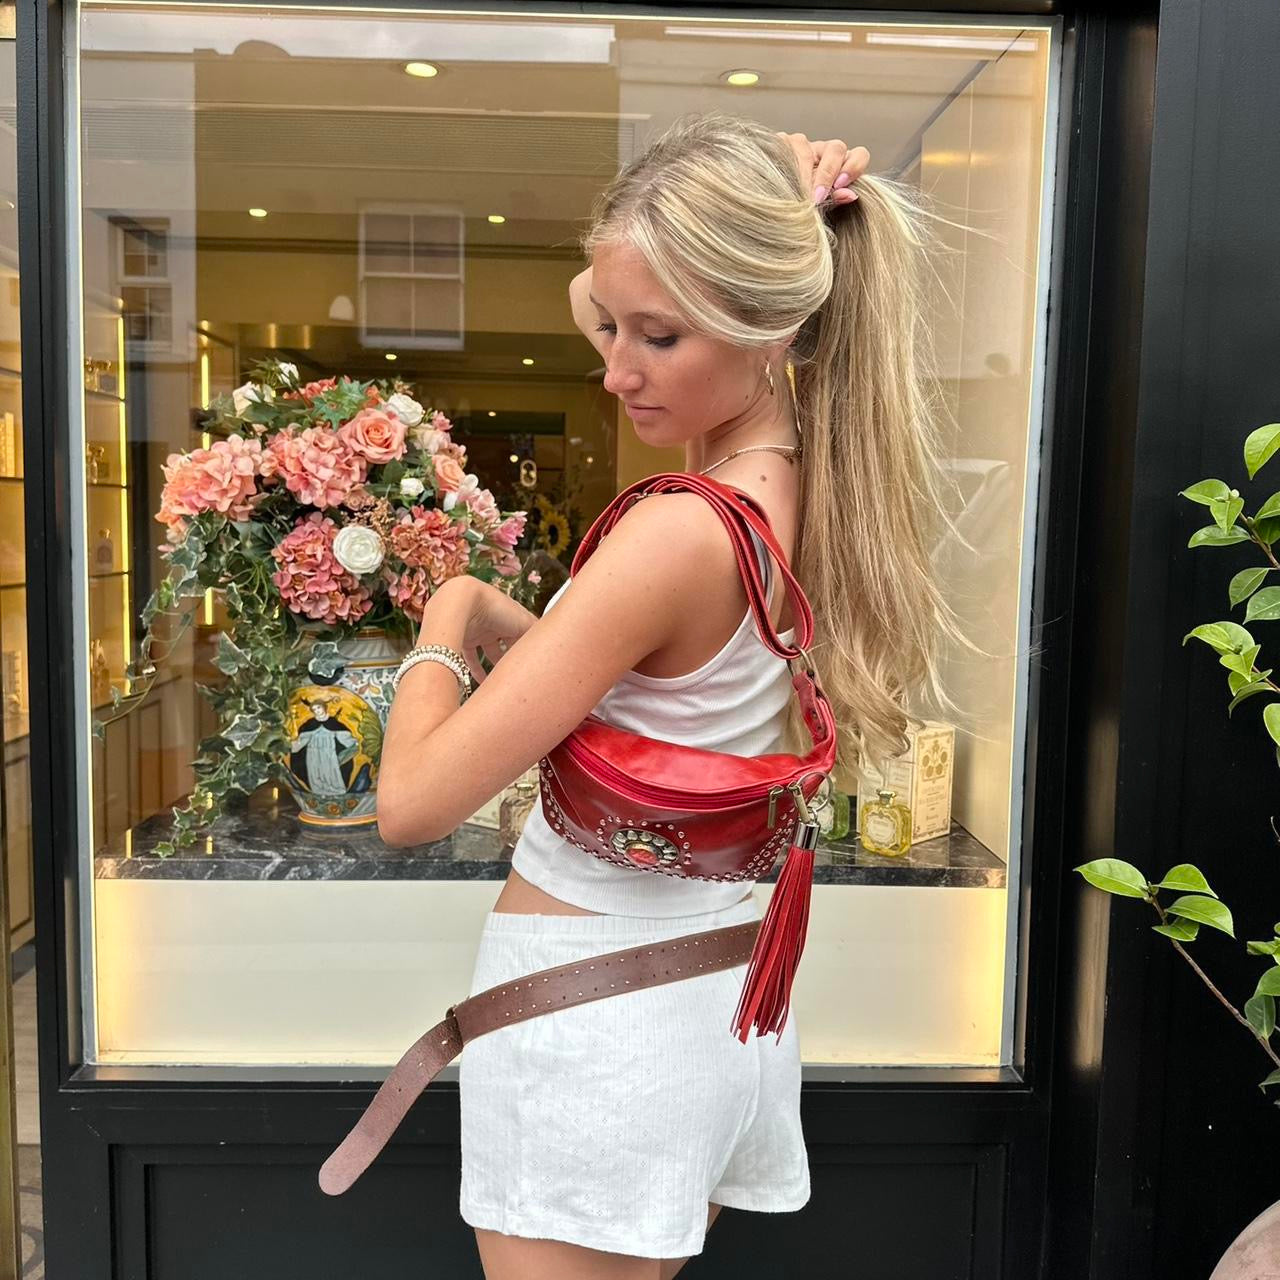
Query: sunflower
{"points": [[555, 533]]}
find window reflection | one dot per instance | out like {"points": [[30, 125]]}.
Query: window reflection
{"points": [[263, 184]]}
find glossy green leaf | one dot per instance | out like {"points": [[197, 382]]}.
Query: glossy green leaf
{"points": [[1225, 510], [1114, 876], [1212, 536], [1269, 983], [1245, 583], [1259, 445], [1260, 1013], [1264, 605], [1206, 491], [1269, 508], [1271, 718], [1248, 690], [1182, 930], [1186, 878], [1207, 910], [1215, 635]]}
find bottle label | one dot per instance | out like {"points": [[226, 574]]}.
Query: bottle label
{"points": [[880, 827]]}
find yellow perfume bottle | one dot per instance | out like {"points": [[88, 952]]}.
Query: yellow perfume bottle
{"points": [[885, 827]]}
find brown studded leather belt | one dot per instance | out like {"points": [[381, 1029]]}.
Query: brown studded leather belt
{"points": [[592, 978]]}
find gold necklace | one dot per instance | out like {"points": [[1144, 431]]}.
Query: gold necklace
{"points": [[793, 449]]}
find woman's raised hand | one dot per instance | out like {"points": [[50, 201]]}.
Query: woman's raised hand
{"points": [[830, 166]]}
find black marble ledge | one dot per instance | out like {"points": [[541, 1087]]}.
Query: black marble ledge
{"points": [[263, 840]]}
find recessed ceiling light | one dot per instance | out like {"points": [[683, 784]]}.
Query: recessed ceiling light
{"points": [[526, 360], [423, 69], [391, 355], [496, 218], [493, 413], [257, 213], [741, 78], [513, 457]]}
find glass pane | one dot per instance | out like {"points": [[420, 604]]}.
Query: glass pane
{"points": [[281, 193], [16, 781]]}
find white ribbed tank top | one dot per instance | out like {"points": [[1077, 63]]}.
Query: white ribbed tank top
{"points": [[735, 702]]}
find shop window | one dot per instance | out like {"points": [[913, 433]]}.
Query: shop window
{"points": [[284, 190]]}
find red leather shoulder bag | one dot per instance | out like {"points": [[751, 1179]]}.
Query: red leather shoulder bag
{"points": [[685, 811]]}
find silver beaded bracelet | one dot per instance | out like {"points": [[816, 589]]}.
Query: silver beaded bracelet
{"points": [[451, 658]]}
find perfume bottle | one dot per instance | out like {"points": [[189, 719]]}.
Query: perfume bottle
{"points": [[833, 818], [514, 809], [104, 553], [12, 678], [99, 672], [885, 827]]}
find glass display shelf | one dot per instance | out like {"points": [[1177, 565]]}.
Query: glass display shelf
{"points": [[261, 839]]}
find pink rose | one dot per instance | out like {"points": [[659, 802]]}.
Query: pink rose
{"points": [[375, 435], [449, 474]]}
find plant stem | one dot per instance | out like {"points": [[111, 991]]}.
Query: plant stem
{"points": [[1204, 977]]}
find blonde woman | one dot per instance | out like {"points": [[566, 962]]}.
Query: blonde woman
{"points": [[602, 1140]]}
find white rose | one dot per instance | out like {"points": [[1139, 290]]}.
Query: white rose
{"points": [[404, 407], [428, 439], [357, 548], [411, 487], [289, 372], [243, 396]]}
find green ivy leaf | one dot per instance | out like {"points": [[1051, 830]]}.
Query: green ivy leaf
{"points": [[1245, 583], [1259, 445], [325, 661], [1182, 930], [243, 731], [1213, 536], [1206, 491], [230, 657], [1114, 876], [1186, 878], [1206, 910], [1265, 605], [1260, 1013]]}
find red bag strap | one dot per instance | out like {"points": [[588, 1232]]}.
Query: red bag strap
{"points": [[737, 510]]}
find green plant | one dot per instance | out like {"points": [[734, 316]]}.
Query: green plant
{"points": [[1237, 651]]}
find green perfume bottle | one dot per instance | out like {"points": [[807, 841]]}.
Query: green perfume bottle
{"points": [[885, 826]]}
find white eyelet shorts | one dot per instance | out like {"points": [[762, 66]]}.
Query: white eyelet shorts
{"points": [[612, 1124]]}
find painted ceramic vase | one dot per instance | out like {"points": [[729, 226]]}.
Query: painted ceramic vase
{"points": [[335, 733]]}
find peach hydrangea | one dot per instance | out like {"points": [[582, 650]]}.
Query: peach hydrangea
{"points": [[221, 478], [426, 538], [317, 467], [311, 581]]}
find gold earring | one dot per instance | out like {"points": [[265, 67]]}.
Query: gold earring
{"points": [[768, 373]]}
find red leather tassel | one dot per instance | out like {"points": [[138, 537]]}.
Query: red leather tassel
{"points": [[766, 992]]}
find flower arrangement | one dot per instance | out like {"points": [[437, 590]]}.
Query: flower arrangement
{"points": [[322, 509]]}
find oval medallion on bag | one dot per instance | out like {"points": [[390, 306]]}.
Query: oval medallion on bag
{"points": [[644, 848]]}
